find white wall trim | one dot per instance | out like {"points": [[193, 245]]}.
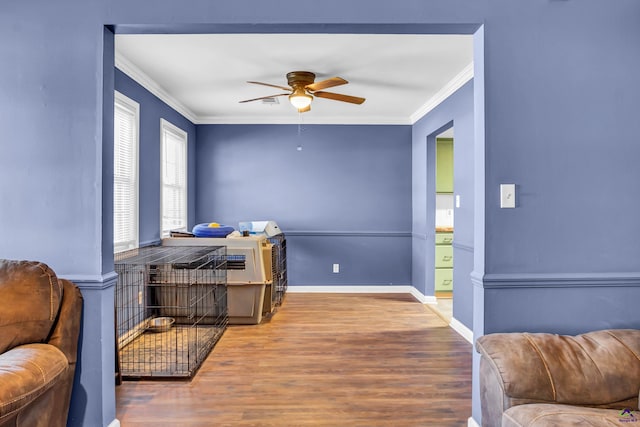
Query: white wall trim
{"points": [[461, 329], [351, 289], [456, 83], [143, 79], [147, 82], [472, 423], [423, 298], [114, 423], [365, 289], [310, 120], [455, 324]]}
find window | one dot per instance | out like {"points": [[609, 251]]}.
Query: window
{"points": [[173, 165], [125, 173]]}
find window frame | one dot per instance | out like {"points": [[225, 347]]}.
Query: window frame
{"points": [[132, 107], [183, 137]]}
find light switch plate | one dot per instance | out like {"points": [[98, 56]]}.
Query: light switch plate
{"points": [[507, 195]]}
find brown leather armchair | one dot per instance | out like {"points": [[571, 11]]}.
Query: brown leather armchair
{"points": [[39, 328], [545, 380]]}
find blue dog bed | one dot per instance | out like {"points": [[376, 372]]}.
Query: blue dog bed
{"points": [[212, 229]]}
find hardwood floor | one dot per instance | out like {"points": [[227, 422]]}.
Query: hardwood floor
{"points": [[321, 360]]}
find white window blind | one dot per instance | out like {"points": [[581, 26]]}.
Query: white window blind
{"points": [[125, 173], [174, 178]]}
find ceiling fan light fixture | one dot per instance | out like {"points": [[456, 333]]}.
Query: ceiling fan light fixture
{"points": [[303, 89], [300, 100]]}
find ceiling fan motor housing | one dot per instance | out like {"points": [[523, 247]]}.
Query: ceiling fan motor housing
{"points": [[297, 79]]}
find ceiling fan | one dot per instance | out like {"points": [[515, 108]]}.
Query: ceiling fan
{"points": [[302, 90]]}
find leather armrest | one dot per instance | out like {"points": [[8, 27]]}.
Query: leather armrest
{"points": [[27, 372], [67, 328], [599, 369], [596, 368]]}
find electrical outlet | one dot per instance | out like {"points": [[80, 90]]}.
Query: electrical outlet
{"points": [[140, 298], [336, 268]]}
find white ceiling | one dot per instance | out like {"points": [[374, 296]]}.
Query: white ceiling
{"points": [[203, 76]]}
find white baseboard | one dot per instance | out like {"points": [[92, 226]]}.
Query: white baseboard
{"points": [[114, 423], [350, 289], [421, 297], [461, 329], [472, 423], [366, 289]]}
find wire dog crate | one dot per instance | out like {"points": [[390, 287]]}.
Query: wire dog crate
{"points": [[170, 309], [279, 266]]}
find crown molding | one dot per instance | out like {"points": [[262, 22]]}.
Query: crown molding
{"points": [[140, 77], [449, 89], [294, 119]]}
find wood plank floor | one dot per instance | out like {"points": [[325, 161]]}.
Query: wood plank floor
{"points": [[321, 360]]}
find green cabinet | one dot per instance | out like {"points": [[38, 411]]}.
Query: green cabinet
{"points": [[444, 262], [444, 165], [444, 279], [444, 238], [444, 256]]}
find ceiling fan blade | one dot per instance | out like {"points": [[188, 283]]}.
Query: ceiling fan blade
{"points": [[324, 84], [263, 97], [270, 85], [305, 109], [339, 97]]}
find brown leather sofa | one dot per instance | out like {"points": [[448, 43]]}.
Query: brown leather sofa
{"points": [[540, 380], [39, 327]]}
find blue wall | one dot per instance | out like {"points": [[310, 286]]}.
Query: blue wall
{"points": [[152, 110], [341, 194], [560, 124], [558, 119]]}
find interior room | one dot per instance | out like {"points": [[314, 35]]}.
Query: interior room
{"points": [[544, 143], [366, 200], [348, 228]]}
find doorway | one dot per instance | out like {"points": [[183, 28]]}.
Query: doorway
{"points": [[422, 281], [444, 224]]}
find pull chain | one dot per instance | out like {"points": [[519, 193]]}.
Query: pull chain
{"points": [[300, 124]]}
